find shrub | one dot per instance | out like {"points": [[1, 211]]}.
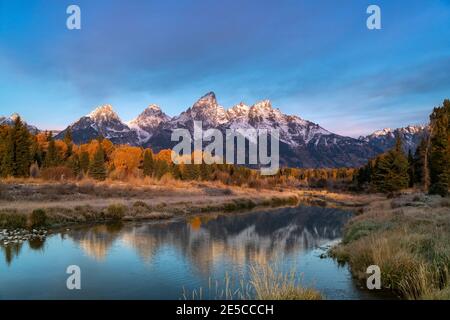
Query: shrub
{"points": [[140, 203], [88, 213], [11, 219], [38, 218], [57, 173], [140, 207], [34, 170], [116, 211]]}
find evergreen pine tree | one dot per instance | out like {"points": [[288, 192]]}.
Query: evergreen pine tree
{"points": [[148, 165], [97, 168], [364, 175], [68, 141], [36, 152], [439, 158], [74, 164], [9, 158], [420, 165], [84, 161], [161, 168], [22, 149], [51, 156], [411, 173], [68, 136], [390, 172]]}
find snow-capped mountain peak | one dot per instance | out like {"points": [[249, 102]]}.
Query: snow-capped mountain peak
{"points": [[102, 121], [385, 139], [238, 111], [14, 116], [147, 122], [103, 113], [153, 107], [208, 100], [152, 111], [383, 132], [206, 109], [262, 105], [302, 142]]}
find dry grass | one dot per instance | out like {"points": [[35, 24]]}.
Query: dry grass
{"points": [[266, 282], [408, 238], [271, 284], [91, 201]]}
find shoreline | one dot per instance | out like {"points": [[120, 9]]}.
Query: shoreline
{"points": [[69, 203], [408, 237]]}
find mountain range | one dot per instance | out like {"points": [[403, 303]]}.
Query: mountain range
{"points": [[302, 142]]}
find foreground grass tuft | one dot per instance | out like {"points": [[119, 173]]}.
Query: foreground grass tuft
{"points": [[265, 282], [410, 244], [271, 284]]}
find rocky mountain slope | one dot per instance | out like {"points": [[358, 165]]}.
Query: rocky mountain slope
{"points": [[302, 142], [103, 121], [383, 140], [147, 122]]}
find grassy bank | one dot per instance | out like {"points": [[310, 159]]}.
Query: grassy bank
{"points": [[38, 204], [89, 201], [408, 237]]}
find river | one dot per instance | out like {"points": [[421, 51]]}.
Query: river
{"points": [[173, 259]]}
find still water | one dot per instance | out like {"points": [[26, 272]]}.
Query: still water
{"points": [[163, 260]]}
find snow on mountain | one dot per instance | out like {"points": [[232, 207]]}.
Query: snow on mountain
{"points": [[384, 139], [147, 122], [103, 113], [206, 109], [239, 111], [9, 121], [302, 142], [293, 130], [102, 121]]}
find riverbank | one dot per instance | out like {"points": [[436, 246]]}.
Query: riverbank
{"points": [[32, 203], [283, 247], [408, 237], [39, 204]]}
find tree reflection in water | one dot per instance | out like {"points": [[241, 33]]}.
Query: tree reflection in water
{"points": [[206, 239]]}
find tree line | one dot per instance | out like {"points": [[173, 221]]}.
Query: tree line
{"points": [[23, 154], [427, 168]]}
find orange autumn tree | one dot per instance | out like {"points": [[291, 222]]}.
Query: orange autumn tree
{"points": [[126, 160], [61, 149], [108, 148]]}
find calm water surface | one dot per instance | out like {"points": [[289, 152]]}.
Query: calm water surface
{"points": [[156, 260]]}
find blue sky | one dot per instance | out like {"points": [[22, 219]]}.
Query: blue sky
{"points": [[315, 59]]}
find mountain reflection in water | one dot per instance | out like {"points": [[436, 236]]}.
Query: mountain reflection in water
{"points": [[131, 259], [255, 236]]}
